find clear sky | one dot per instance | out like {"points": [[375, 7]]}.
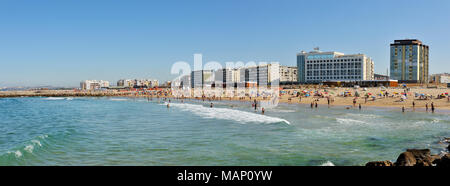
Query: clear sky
{"points": [[63, 42]]}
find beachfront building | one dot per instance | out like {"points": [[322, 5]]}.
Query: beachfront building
{"points": [[288, 74], [224, 77], [409, 61], [317, 67], [380, 77], [268, 75], [202, 78], [125, 83], [257, 75], [94, 84], [440, 78], [138, 83]]}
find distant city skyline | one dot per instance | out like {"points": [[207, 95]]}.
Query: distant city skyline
{"points": [[62, 43]]}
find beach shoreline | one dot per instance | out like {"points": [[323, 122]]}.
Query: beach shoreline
{"points": [[288, 96]]}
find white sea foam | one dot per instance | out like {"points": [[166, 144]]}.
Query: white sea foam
{"points": [[328, 163], [43, 136], [368, 116], [36, 142], [348, 121], [29, 148], [228, 114], [117, 99], [54, 98], [18, 153], [69, 98], [281, 111]]}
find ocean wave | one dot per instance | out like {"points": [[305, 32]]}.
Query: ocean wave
{"points": [[349, 121], [368, 116], [118, 99], [16, 153], [29, 148], [281, 111], [228, 114], [328, 163], [54, 98]]}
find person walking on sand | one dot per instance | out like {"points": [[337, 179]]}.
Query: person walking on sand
{"points": [[414, 104], [403, 109], [354, 101], [316, 104], [426, 107], [312, 104]]}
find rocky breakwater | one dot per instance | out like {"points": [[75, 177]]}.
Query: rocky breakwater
{"points": [[417, 157]]}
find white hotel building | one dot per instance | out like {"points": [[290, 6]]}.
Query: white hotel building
{"points": [[317, 66], [94, 84]]}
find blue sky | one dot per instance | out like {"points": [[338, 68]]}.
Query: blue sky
{"points": [[63, 42]]}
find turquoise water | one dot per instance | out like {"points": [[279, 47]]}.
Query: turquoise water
{"points": [[126, 131]]}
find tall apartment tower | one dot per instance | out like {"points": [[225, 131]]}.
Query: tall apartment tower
{"points": [[409, 61]]}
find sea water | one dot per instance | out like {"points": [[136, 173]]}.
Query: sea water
{"points": [[127, 131]]}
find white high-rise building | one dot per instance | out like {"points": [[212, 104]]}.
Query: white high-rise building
{"points": [[317, 66]]}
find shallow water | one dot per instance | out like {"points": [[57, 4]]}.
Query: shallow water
{"points": [[126, 131]]}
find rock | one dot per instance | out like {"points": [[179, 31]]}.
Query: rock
{"points": [[386, 163], [415, 157], [448, 147], [443, 161]]}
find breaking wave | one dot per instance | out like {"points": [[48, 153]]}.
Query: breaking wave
{"points": [[328, 163], [348, 121], [54, 98], [118, 99], [228, 114], [28, 147]]}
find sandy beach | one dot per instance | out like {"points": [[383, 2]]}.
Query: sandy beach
{"points": [[392, 100], [376, 96]]}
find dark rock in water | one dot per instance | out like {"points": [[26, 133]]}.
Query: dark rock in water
{"points": [[386, 163], [443, 161], [448, 147], [415, 157]]}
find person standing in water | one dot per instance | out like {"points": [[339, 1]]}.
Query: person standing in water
{"points": [[403, 109], [316, 104], [211, 105], [426, 107], [360, 106], [414, 104], [432, 107], [262, 110], [312, 104]]}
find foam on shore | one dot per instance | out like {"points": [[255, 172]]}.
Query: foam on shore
{"points": [[228, 114]]}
